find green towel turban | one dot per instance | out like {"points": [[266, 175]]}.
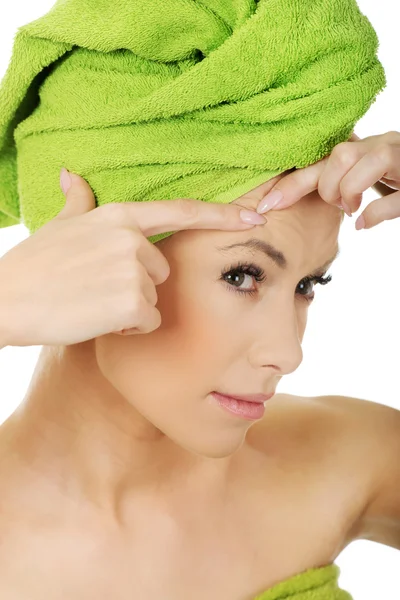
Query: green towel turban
{"points": [[163, 99]]}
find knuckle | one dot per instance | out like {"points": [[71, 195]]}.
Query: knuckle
{"points": [[164, 271], [158, 261], [112, 210], [384, 152], [133, 307], [127, 283], [344, 153], [161, 269], [153, 295], [327, 196], [128, 242], [131, 274], [157, 320], [392, 137], [348, 189], [127, 268], [136, 274], [325, 191], [189, 208]]}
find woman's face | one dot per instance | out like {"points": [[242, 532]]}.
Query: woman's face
{"points": [[228, 333]]}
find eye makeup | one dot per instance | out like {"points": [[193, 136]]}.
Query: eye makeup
{"points": [[250, 269]]}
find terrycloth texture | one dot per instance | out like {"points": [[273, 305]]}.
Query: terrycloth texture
{"points": [[155, 99], [315, 584]]}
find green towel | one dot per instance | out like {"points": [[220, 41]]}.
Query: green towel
{"points": [[162, 99], [314, 584]]}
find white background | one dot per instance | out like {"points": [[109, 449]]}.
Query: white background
{"points": [[352, 343]]}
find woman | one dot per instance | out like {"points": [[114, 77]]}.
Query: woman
{"points": [[121, 471]]}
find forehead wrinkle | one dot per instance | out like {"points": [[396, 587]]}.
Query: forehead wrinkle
{"points": [[271, 252]]}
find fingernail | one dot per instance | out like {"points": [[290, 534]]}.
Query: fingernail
{"points": [[360, 223], [251, 217], [346, 209], [65, 180], [270, 201]]}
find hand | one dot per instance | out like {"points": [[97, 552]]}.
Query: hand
{"points": [[92, 271], [343, 176]]}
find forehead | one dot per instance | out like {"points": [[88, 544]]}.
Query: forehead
{"points": [[305, 231]]}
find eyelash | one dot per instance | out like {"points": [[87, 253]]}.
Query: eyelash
{"points": [[246, 268]]}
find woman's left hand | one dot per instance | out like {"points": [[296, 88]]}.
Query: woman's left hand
{"points": [[343, 176]]}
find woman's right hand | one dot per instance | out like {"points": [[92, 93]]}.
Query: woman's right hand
{"points": [[92, 271]]}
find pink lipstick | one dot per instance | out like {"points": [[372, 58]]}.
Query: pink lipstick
{"points": [[241, 408]]}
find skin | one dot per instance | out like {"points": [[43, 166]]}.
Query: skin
{"points": [[142, 413], [123, 417]]}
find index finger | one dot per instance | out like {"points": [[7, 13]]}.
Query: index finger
{"points": [[160, 216], [294, 186], [297, 184]]}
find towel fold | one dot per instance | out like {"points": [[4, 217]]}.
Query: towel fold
{"points": [[314, 584], [155, 100]]}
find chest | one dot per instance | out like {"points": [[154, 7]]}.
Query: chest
{"points": [[253, 541], [291, 505]]}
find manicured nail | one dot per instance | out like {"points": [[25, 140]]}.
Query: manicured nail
{"points": [[346, 209], [251, 217], [270, 201], [360, 223], [65, 180]]}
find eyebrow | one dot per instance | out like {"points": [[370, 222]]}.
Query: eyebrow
{"points": [[273, 253]]}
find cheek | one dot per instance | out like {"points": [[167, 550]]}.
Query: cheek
{"points": [[180, 359], [193, 328]]}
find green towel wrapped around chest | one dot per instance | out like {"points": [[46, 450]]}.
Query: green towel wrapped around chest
{"points": [[314, 584], [156, 100]]}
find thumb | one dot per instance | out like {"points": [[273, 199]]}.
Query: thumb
{"points": [[79, 195]]}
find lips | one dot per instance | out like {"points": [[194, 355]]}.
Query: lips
{"points": [[258, 398]]}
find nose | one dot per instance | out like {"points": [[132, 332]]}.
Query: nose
{"points": [[279, 337]]}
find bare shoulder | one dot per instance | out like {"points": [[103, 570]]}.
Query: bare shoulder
{"points": [[311, 431], [376, 428], [302, 422], [350, 418], [364, 431], [359, 440]]}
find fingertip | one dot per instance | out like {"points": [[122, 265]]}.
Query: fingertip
{"points": [[360, 222], [250, 217], [270, 201]]}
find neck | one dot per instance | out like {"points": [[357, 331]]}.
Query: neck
{"points": [[75, 433]]}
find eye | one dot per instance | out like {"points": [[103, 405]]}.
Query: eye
{"points": [[314, 279], [236, 276], [240, 271]]}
